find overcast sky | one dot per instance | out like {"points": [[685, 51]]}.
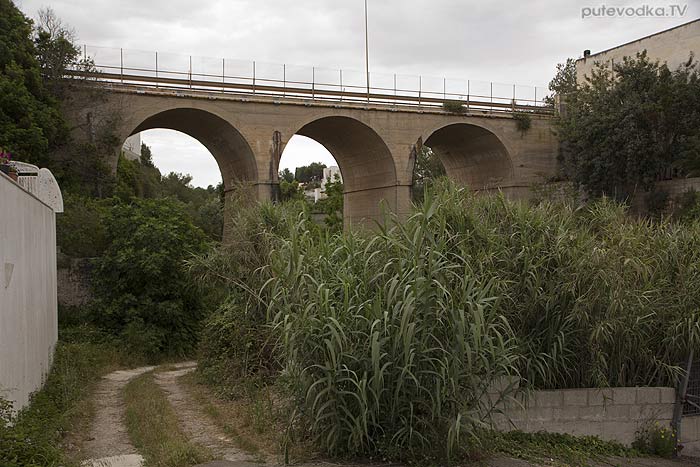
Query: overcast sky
{"points": [[513, 41]]}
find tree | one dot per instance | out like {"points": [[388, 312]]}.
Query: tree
{"points": [[142, 289], [287, 175], [290, 190], [564, 81], [55, 47], [630, 125], [309, 173], [146, 155], [31, 125], [426, 170], [333, 204]]}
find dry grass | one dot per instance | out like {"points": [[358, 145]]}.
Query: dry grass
{"points": [[153, 427], [253, 421]]}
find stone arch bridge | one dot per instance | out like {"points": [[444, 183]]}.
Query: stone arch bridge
{"points": [[374, 144]]}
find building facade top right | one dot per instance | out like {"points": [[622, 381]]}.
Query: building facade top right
{"points": [[672, 46]]}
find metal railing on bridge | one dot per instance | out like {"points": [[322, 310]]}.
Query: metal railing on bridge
{"points": [[184, 72]]}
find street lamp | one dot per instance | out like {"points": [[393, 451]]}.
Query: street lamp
{"points": [[367, 50]]}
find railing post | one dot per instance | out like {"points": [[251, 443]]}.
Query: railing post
{"points": [[85, 52], [514, 98], [341, 86], [395, 94], [313, 81], [284, 79], [157, 70], [368, 87], [190, 72], [491, 108], [253, 76], [420, 89], [469, 91], [223, 75], [535, 95], [444, 89], [121, 65]]}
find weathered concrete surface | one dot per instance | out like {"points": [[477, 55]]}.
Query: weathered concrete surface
{"points": [[374, 145], [28, 307], [672, 47], [127, 460]]}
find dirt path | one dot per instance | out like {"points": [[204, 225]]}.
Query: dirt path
{"points": [[196, 424], [109, 444]]}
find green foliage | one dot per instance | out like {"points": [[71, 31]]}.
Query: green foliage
{"points": [[427, 169], [564, 81], [80, 229], [290, 190], [30, 121], [204, 206], [146, 156], [143, 292], [547, 447], [309, 173], [137, 180], [454, 107], [55, 49], [388, 340], [333, 204], [655, 439], [626, 126], [287, 175], [523, 121]]}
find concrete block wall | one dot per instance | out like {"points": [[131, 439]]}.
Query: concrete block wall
{"points": [[28, 304], [613, 414], [690, 436]]}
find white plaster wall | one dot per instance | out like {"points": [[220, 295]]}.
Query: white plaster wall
{"points": [[28, 304], [672, 47]]}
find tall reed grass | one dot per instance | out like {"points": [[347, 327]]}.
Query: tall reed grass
{"points": [[391, 339]]}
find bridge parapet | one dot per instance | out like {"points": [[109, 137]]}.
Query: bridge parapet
{"points": [[282, 81]]}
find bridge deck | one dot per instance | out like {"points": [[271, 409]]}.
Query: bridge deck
{"points": [[287, 82]]}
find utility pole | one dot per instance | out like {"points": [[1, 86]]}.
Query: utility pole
{"points": [[367, 49]]}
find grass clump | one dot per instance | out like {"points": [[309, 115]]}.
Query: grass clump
{"points": [[454, 107], [554, 448], [153, 427]]}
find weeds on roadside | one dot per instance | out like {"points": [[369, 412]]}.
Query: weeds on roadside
{"points": [[153, 427]]}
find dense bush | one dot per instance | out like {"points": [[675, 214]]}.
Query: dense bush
{"points": [[389, 340], [629, 124], [142, 290], [80, 230]]}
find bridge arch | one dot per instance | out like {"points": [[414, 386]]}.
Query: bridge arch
{"points": [[366, 165], [229, 147], [471, 154]]}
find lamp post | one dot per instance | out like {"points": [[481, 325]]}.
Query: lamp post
{"points": [[367, 49]]}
